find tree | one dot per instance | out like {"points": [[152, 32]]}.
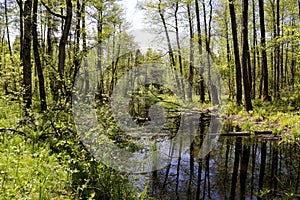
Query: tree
{"points": [[37, 57], [246, 57], [191, 63], [265, 95], [162, 17], [236, 53], [26, 55], [63, 43], [199, 40], [254, 51], [7, 27]]}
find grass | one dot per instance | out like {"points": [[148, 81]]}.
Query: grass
{"points": [[29, 171], [281, 116], [48, 161]]}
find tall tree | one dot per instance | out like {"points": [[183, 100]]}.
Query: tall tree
{"points": [[37, 59], [178, 43], [7, 27], [246, 57], [236, 53], [254, 49], [199, 40], [27, 66], [191, 67], [265, 95], [20, 4], [63, 43], [163, 20]]}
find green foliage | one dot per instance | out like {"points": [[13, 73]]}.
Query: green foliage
{"points": [[51, 162], [29, 171]]}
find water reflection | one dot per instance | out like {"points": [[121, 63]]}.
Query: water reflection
{"points": [[237, 168]]}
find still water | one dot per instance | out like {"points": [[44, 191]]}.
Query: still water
{"points": [[238, 167]]}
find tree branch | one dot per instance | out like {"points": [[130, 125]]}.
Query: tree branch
{"points": [[14, 131], [51, 12]]}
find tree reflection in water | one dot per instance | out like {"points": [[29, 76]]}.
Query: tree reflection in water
{"points": [[237, 168]]}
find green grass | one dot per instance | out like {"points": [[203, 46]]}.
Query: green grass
{"points": [[29, 171], [282, 116], [50, 162]]}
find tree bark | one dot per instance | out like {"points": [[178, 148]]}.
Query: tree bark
{"points": [[246, 57], [178, 44], [265, 95], [77, 56], [20, 4], [27, 66], [62, 45], [7, 27], [100, 86], [236, 53], [199, 40], [191, 63], [162, 17], [37, 59], [254, 50]]}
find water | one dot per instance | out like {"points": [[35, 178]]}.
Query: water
{"points": [[237, 167]]}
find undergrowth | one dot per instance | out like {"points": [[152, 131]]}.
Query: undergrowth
{"points": [[281, 116], [43, 158]]}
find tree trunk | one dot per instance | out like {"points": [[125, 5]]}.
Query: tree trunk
{"points": [[191, 63], [265, 95], [213, 94], [199, 40], [77, 56], [27, 67], [37, 58], [62, 45], [178, 45], [20, 4], [236, 54], [162, 17], [254, 50], [7, 28], [100, 86], [278, 60], [245, 57], [228, 58]]}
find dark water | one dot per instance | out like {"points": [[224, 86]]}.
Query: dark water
{"points": [[244, 167]]}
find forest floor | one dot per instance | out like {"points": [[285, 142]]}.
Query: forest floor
{"points": [[281, 116]]}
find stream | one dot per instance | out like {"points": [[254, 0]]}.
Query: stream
{"points": [[238, 167]]}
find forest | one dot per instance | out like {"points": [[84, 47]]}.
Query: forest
{"points": [[201, 103]]}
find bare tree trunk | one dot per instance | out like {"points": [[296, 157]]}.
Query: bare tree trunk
{"points": [[178, 45], [162, 17], [212, 88], [20, 4], [7, 28], [191, 63], [27, 67], [265, 95], [62, 45], [77, 57], [254, 50], [278, 60], [37, 58], [199, 40], [228, 59], [246, 57], [236, 54], [100, 86]]}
